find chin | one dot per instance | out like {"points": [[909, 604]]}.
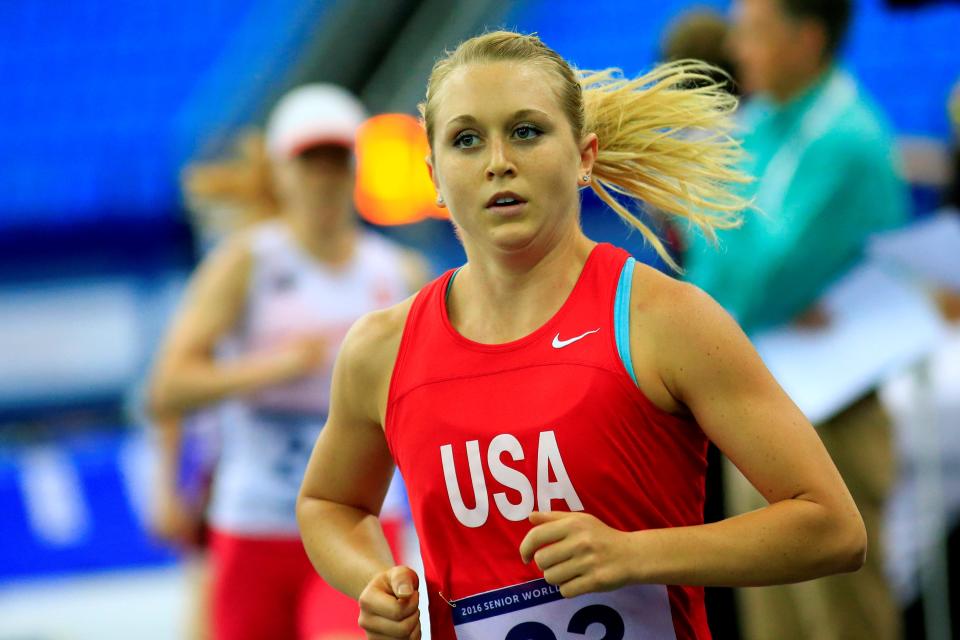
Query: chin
{"points": [[511, 238]]}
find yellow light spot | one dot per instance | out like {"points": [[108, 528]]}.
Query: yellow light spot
{"points": [[393, 185]]}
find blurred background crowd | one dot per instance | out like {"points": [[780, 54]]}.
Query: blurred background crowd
{"points": [[135, 137]]}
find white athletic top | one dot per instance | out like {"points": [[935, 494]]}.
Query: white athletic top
{"points": [[267, 437]]}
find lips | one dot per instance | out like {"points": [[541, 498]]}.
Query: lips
{"points": [[504, 200]]}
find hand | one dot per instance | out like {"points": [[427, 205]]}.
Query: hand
{"points": [[389, 605], [816, 317], [577, 552], [301, 356], [175, 520], [949, 305]]}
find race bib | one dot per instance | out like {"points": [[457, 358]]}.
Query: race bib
{"points": [[535, 610]]}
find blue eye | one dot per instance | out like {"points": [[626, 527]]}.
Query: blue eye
{"points": [[466, 140], [526, 132]]}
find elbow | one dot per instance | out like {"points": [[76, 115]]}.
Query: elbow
{"points": [[858, 550], [312, 518], [851, 553], [305, 507], [168, 392], [300, 508], [159, 399]]}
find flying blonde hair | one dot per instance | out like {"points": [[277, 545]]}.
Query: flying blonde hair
{"points": [[665, 137], [232, 193]]}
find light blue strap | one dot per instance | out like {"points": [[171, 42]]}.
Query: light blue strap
{"points": [[621, 317], [446, 294]]}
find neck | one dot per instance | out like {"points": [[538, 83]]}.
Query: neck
{"points": [[799, 82], [500, 300], [331, 243]]}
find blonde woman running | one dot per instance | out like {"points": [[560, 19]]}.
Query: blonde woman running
{"points": [[549, 403]]}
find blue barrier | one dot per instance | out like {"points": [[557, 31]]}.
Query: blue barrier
{"points": [[76, 506]]}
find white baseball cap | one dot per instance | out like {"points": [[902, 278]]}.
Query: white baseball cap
{"points": [[312, 115]]}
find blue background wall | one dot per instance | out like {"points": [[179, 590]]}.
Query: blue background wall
{"points": [[104, 101], [907, 59]]}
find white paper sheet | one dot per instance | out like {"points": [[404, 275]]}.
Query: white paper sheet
{"points": [[879, 324], [928, 249]]}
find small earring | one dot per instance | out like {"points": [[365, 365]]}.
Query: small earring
{"points": [[440, 201], [586, 177]]}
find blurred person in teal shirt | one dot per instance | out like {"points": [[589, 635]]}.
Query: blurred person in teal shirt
{"points": [[823, 157], [826, 181]]}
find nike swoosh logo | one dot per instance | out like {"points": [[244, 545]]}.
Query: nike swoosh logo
{"points": [[560, 344]]}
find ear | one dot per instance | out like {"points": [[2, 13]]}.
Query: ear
{"points": [[433, 178], [589, 148], [428, 159]]}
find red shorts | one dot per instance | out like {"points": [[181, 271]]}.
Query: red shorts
{"points": [[266, 589]]}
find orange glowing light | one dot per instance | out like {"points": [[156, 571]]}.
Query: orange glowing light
{"points": [[393, 186]]}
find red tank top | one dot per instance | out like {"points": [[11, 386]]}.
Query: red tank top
{"points": [[485, 434]]}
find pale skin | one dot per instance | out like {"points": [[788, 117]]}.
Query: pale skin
{"points": [[172, 518], [315, 191], [499, 127]]}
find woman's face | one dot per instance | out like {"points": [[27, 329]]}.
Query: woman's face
{"points": [[504, 156], [770, 49], [317, 181]]}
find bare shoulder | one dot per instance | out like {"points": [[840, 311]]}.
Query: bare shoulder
{"points": [[230, 260], [676, 328], [367, 357], [217, 290], [375, 337], [667, 304]]}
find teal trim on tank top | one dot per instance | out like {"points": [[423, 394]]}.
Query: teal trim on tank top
{"points": [[446, 294], [621, 317], [621, 314]]}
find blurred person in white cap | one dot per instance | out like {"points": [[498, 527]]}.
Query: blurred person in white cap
{"points": [[257, 335]]}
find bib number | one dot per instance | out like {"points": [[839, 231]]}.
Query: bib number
{"points": [[595, 613], [536, 611]]}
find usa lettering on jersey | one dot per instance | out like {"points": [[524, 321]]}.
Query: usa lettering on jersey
{"points": [[549, 461]]}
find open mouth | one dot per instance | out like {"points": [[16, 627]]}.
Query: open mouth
{"points": [[505, 201]]}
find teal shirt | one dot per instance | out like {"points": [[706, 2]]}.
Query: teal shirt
{"points": [[826, 180]]}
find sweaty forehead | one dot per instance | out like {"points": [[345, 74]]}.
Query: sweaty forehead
{"points": [[486, 90]]}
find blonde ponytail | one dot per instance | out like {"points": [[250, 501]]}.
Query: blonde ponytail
{"points": [[665, 143], [664, 138]]}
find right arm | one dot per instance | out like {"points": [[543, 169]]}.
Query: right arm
{"points": [[187, 374], [347, 478], [173, 518]]}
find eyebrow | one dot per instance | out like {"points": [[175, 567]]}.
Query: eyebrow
{"points": [[517, 115]]}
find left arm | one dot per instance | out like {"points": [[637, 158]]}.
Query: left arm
{"points": [[811, 526]]}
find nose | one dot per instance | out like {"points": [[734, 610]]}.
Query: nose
{"points": [[499, 163]]}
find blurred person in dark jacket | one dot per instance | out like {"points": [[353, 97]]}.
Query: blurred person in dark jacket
{"points": [[826, 181]]}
